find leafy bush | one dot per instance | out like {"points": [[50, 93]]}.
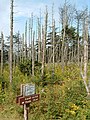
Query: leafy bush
{"points": [[26, 67]]}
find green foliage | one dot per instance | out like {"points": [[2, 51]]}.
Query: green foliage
{"points": [[26, 67], [62, 96]]}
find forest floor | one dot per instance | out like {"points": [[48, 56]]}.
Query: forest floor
{"points": [[63, 98]]}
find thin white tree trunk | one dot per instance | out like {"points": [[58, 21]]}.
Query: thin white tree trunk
{"points": [[26, 41], [23, 47], [39, 41], [43, 52], [2, 51], [85, 38], [33, 54], [11, 42], [44, 34]]}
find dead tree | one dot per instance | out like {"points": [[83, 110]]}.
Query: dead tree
{"points": [[22, 49], [26, 41], [33, 57], [2, 51], [29, 32], [18, 48], [31, 29], [85, 38], [39, 41], [11, 42], [64, 20], [78, 18], [44, 35], [43, 52], [53, 39]]}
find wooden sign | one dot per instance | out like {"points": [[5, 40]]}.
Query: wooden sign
{"points": [[28, 99], [17, 98], [25, 100], [28, 89], [27, 96]]}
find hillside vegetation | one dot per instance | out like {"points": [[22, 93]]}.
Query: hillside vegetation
{"points": [[62, 95]]}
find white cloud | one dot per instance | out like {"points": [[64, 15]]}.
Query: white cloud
{"points": [[4, 16], [23, 10]]}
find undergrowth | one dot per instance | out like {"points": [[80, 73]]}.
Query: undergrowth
{"points": [[62, 96]]}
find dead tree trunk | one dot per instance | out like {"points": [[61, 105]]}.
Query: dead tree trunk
{"points": [[78, 42], [29, 33], [26, 41], [85, 38], [44, 34], [33, 54], [2, 51], [63, 36], [43, 52], [11, 42], [53, 47], [53, 40], [18, 42], [22, 48], [39, 41], [31, 28]]}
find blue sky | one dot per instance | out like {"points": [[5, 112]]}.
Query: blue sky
{"points": [[24, 8]]}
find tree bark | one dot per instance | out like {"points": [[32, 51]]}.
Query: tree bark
{"points": [[2, 51], [26, 41], [85, 38], [33, 54], [11, 42]]}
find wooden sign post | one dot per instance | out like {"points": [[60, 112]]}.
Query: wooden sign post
{"points": [[25, 112], [27, 96]]}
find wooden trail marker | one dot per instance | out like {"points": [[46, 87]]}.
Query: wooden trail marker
{"points": [[28, 99], [27, 96]]}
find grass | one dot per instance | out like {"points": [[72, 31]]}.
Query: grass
{"points": [[56, 100]]}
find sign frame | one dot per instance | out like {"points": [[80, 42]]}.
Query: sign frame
{"points": [[27, 96], [28, 89]]}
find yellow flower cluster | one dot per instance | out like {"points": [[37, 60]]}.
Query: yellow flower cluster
{"points": [[74, 107]]}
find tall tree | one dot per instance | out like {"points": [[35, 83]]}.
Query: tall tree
{"points": [[64, 23], [43, 52], [22, 48], [26, 41], [33, 57], [44, 35], [11, 42], [29, 54], [85, 39], [31, 29], [39, 40], [53, 38], [2, 51], [78, 18]]}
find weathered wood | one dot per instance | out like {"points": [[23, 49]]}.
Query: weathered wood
{"points": [[33, 57], [26, 41], [11, 42], [2, 51]]}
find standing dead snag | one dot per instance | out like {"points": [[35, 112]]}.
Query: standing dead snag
{"points": [[33, 54], [31, 29], [64, 23], [53, 39], [26, 41], [22, 51], [39, 40], [2, 51], [11, 42], [43, 50], [85, 38], [44, 35]]}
